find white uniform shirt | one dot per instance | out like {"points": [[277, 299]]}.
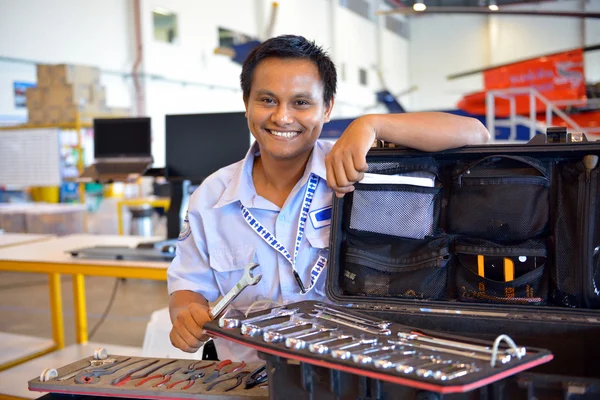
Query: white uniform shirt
{"points": [[216, 242]]}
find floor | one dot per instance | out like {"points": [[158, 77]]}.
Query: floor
{"points": [[24, 307]]}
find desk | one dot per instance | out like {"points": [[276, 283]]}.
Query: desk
{"points": [[11, 239], [15, 349], [50, 257], [153, 201], [13, 383]]}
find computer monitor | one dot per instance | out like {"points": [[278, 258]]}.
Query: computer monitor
{"points": [[196, 146], [199, 144], [122, 137]]}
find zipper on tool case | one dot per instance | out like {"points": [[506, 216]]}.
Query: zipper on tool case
{"points": [[586, 215], [514, 180], [393, 267]]}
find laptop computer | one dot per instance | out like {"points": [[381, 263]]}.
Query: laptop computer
{"points": [[122, 149]]}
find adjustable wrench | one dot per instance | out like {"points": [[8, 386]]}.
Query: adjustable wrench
{"points": [[248, 279]]}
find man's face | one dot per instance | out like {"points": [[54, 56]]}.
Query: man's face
{"points": [[285, 107]]}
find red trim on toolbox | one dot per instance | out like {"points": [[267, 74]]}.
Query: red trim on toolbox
{"points": [[393, 379], [119, 394]]}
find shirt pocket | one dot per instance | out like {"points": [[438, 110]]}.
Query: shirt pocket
{"points": [[319, 246], [228, 265]]}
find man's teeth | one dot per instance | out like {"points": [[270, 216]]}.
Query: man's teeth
{"points": [[284, 134]]}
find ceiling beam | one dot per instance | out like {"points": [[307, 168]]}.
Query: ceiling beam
{"points": [[486, 11]]}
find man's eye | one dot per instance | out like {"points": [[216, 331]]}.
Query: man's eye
{"points": [[267, 100], [302, 102]]}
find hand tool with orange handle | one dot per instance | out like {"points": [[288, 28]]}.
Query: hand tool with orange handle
{"points": [[190, 381], [166, 377], [125, 377], [123, 381], [217, 371], [193, 367]]}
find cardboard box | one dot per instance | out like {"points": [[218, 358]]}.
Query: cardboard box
{"points": [[66, 74], [35, 97], [40, 97], [65, 114], [44, 75]]}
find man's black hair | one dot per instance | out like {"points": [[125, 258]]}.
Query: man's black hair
{"points": [[290, 47]]}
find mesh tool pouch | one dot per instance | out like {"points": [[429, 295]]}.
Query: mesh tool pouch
{"points": [[393, 209]]}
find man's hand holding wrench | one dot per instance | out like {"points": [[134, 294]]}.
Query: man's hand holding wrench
{"points": [[187, 333]]}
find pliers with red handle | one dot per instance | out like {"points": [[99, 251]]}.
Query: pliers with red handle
{"points": [[166, 377], [217, 371], [239, 378], [193, 367], [190, 381]]}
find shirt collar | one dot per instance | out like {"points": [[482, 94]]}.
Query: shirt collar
{"points": [[241, 188]]}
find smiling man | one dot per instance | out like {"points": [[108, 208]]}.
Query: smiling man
{"points": [[273, 207]]}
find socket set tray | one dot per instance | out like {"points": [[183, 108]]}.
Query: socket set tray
{"points": [[155, 378], [334, 337]]}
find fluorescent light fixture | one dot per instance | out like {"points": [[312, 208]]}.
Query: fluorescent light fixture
{"points": [[419, 6], [162, 11], [493, 5]]}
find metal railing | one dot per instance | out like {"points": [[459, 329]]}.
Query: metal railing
{"points": [[534, 125]]}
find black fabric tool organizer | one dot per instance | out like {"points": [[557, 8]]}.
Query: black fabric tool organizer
{"points": [[506, 241]]}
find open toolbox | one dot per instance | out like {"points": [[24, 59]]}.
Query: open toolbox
{"points": [[335, 338], [505, 240], [154, 378]]}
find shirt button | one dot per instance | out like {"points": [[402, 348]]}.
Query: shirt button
{"points": [[281, 217]]}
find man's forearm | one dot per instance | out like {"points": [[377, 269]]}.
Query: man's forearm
{"points": [[181, 299], [427, 131]]}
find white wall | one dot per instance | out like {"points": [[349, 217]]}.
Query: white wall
{"points": [[186, 77], [592, 37], [444, 45], [64, 31], [441, 45]]}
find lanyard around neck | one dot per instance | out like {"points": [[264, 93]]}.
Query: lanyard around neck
{"points": [[272, 241]]}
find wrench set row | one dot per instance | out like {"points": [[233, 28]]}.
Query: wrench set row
{"points": [[337, 335], [166, 374]]}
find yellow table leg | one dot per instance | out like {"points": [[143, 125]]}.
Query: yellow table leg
{"points": [[58, 329], [81, 329], [120, 217]]}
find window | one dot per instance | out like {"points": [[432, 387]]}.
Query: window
{"points": [[397, 26], [360, 7], [362, 76], [164, 23]]}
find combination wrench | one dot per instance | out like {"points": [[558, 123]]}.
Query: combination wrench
{"points": [[248, 279]]}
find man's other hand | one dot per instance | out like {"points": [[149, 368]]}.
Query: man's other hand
{"points": [[187, 333]]}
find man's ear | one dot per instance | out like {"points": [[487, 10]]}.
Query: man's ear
{"points": [[328, 109], [246, 108]]}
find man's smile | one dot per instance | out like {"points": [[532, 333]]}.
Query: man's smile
{"points": [[285, 134]]}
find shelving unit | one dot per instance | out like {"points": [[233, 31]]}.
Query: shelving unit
{"points": [[76, 126]]}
